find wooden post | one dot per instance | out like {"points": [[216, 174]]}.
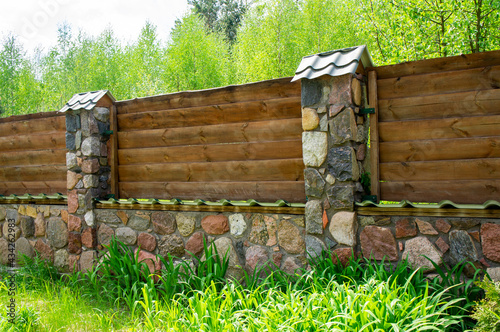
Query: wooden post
{"points": [[113, 158], [374, 137]]}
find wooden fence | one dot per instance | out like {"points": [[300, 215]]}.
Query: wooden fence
{"points": [[236, 142], [436, 135], [33, 154]]}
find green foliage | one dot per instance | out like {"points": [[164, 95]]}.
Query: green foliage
{"points": [[487, 311]]}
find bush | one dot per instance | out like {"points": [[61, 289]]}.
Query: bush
{"points": [[487, 311]]}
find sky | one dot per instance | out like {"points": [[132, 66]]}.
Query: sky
{"points": [[36, 21]]}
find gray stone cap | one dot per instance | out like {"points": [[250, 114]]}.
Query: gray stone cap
{"points": [[86, 100], [333, 63], [446, 204]]}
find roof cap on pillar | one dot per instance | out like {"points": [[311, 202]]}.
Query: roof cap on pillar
{"points": [[86, 100], [333, 63]]}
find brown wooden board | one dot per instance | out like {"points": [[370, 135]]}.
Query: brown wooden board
{"points": [[210, 153], [33, 173], [439, 83], [32, 158], [471, 169], [283, 108], [291, 191], [50, 140], [272, 89], [464, 191], [468, 61], [33, 187], [249, 170], [440, 149], [262, 131], [28, 127], [113, 152], [374, 135], [481, 102], [477, 126], [33, 116], [465, 213]]}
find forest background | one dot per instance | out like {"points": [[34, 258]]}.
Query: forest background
{"points": [[223, 42]]}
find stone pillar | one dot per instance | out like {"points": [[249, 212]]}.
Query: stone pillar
{"points": [[87, 135], [334, 147]]}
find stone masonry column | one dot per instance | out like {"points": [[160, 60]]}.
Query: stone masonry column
{"points": [[87, 135], [334, 148]]}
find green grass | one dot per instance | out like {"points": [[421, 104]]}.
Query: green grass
{"points": [[119, 295]]}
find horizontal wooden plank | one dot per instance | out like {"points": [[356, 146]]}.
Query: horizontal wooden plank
{"points": [[262, 131], [33, 187], [464, 61], [210, 153], [32, 158], [440, 149], [291, 191], [476, 126], [471, 169], [54, 140], [33, 116], [470, 103], [284, 108], [250, 170], [205, 208], [33, 173], [272, 89], [465, 213], [439, 83], [28, 127], [463, 192]]}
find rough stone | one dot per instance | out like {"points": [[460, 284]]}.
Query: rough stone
{"points": [[89, 237], [290, 239], [405, 228], [417, 249], [23, 248], [490, 238], [3, 213], [90, 181], [27, 226], [335, 109], [185, 224], [342, 164], [153, 262], [72, 122], [72, 179], [310, 119], [89, 218], [465, 223], [277, 257], [442, 245], [31, 211], [314, 182], [72, 201], [40, 225], [314, 148], [343, 255], [259, 233], [356, 91], [4, 251], [44, 250], [57, 232], [462, 247], [61, 259], [11, 214], [299, 221], [494, 273], [343, 227], [87, 260], [91, 147], [171, 244], [146, 241], [341, 197], [361, 152], [126, 235], [237, 225], [45, 209], [104, 234], [70, 141], [291, 266], [54, 211], [195, 243], [215, 224], [73, 263], [140, 221], [15, 230], [311, 92], [256, 257], [74, 223], [330, 243], [314, 246], [443, 226], [74, 243], [90, 166], [343, 127], [314, 217], [324, 218], [341, 90], [224, 247], [323, 123], [123, 216], [78, 140], [101, 114], [377, 243], [475, 235], [330, 179], [108, 217], [272, 228], [425, 227]]}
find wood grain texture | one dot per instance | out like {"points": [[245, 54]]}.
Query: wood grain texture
{"points": [[32, 158], [33, 173], [33, 126], [477, 126], [449, 170], [283, 108], [50, 140], [439, 83], [440, 149], [210, 153], [255, 170], [272, 89], [33, 116], [33, 187], [113, 153], [470, 103], [460, 62], [374, 135], [464, 191], [263, 131], [291, 191]]}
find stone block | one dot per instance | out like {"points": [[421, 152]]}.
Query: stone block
{"points": [[185, 223], [416, 251], [70, 142], [44, 250], [341, 197], [146, 241], [90, 166], [490, 238], [314, 217], [343, 256], [292, 266], [72, 122], [71, 161], [27, 226], [163, 222], [290, 238], [57, 232], [311, 92], [171, 244], [140, 221], [425, 227], [343, 227], [23, 248], [215, 224], [89, 237], [442, 245], [127, 235], [40, 225], [104, 234], [378, 243], [256, 258], [272, 228], [314, 246], [314, 148], [61, 259], [109, 217], [314, 182], [91, 147], [310, 119], [342, 164], [406, 228], [258, 233], [343, 127], [194, 244], [74, 223], [341, 93], [443, 226], [237, 225], [462, 247], [87, 260], [74, 243], [90, 181]]}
